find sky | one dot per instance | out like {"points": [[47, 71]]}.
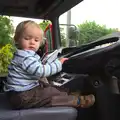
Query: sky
{"points": [[103, 12]]}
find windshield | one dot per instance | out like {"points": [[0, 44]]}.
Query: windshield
{"points": [[88, 21]]}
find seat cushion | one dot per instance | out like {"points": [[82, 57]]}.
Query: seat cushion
{"points": [[50, 113]]}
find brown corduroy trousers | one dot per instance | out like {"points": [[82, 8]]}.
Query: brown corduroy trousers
{"points": [[43, 95]]}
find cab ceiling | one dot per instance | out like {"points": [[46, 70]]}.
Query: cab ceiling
{"points": [[44, 9]]}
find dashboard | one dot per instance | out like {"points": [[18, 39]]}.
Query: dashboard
{"points": [[92, 59]]}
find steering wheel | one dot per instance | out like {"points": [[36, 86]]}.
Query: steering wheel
{"points": [[92, 58]]}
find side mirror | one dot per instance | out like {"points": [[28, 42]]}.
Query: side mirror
{"points": [[70, 33], [73, 35]]}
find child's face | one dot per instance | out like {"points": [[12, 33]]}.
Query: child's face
{"points": [[31, 38]]}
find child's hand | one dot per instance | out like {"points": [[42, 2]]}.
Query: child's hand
{"points": [[62, 60]]}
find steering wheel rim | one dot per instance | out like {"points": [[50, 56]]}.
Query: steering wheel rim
{"points": [[85, 61]]}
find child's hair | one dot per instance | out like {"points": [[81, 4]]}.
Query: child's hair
{"points": [[22, 26]]}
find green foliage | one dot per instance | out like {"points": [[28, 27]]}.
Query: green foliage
{"points": [[90, 31], [6, 30], [6, 54]]}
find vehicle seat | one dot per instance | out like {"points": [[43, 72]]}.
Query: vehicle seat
{"points": [[53, 113]]}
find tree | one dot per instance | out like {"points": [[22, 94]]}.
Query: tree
{"points": [[6, 30], [90, 31]]}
